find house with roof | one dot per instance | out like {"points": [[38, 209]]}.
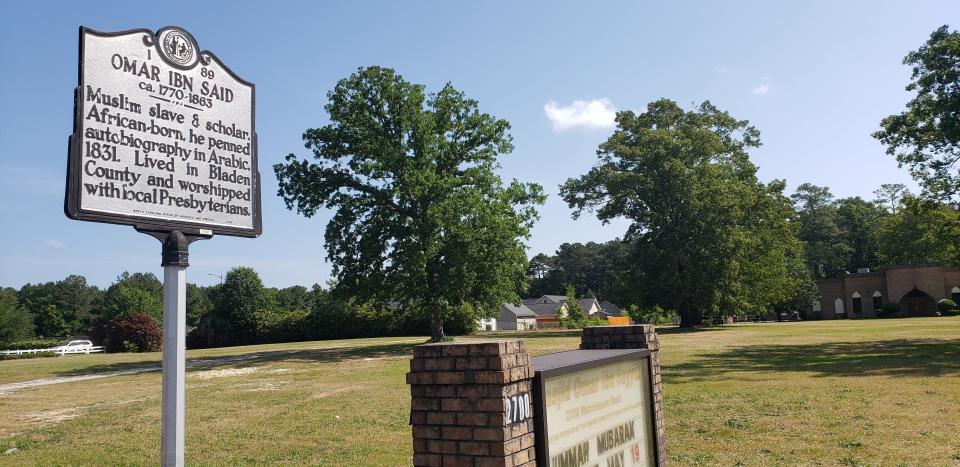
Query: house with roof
{"points": [[541, 313], [546, 308], [516, 317], [545, 312], [610, 309]]}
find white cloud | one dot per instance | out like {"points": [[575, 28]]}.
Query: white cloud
{"points": [[54, 244], [763, 88], [721, 69], [595, 113]]}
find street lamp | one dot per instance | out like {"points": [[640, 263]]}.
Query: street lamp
{"points": [[217, 275]]}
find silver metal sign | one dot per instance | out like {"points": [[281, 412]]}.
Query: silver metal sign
{"points": [[164, 136]]}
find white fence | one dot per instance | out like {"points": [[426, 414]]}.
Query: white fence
{"points": [[61, 352]]}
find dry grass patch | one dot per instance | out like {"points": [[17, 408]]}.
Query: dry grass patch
{"points": [[872, 392]]}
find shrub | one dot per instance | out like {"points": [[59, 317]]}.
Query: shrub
{"points": [[29, 355], [595, 321], [655, 315], [24, 344], [138, 333], [889, 309], [947, 307], [461, 320]]}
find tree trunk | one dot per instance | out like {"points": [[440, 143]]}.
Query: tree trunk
{"points": [[436, 324], [689, 317]]}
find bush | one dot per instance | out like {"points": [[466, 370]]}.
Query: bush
{"points": [[461, 321], [29, 355], [655, 315], [889, 309], [24, 344], [595, 321], [138, 333], [947, 307]]}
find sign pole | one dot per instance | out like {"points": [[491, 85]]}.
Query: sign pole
{"points": [[175, 261], [174, 363]]}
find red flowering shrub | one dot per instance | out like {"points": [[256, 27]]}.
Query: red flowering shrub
{"points": [[138, 333]]}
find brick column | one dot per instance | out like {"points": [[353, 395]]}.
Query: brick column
{"points": [[638, 336], [468, 406]]}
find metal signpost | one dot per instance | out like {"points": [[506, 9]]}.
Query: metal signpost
{"points": [[164, 141]]}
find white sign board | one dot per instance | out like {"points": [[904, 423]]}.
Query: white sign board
{"points": [[600, 416], [163, 136]]}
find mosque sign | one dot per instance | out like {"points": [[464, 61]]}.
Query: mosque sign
{"points": [[595, 408], [164, 137]]}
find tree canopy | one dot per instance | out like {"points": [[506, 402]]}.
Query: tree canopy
{"points": [[707, 235], [925, 231], [590, 268], [926, 136], [825, 250], [421, 219]]}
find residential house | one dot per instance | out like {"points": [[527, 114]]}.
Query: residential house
{"points": [[610, 309], [546, 313], [546, 308], [516, 317]]}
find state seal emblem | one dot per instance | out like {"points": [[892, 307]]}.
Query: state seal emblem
{"points": [[178, 47]]}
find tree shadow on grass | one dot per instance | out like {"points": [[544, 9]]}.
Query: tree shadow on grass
{"points": [[324, 355], [545, 333], [898, 358], [698, 329]]}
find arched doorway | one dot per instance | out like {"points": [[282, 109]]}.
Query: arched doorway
{"points": [[838, 310], [918, 303]]}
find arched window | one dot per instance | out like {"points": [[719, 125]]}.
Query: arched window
{"points": [[816, 306], [955, 293], [877, 300], [838, 306], [857, 303]]}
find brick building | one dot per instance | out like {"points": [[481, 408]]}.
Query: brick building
{"points": [[915, 287]]}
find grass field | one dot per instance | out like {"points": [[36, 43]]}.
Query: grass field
{"points": [[871, 392]]}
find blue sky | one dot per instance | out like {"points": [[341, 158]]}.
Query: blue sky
{"points": [[814, 77]]}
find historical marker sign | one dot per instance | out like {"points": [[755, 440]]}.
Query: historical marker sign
{"points": [[163, 140], [164, 137], [595, 408]]}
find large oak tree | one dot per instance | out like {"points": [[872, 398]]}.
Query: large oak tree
{"points": [[422, 221], [708, 236]]}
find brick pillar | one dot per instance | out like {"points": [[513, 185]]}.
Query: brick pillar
{"points": [[468, 406], [638, 336]]}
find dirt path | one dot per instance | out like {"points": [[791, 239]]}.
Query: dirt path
{"points": [[191, 364], [11, 387]]}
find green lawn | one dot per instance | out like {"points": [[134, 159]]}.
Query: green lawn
{"points": [[871, 392]]}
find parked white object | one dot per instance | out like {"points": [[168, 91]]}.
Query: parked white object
{"points": [[69, 346]]}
